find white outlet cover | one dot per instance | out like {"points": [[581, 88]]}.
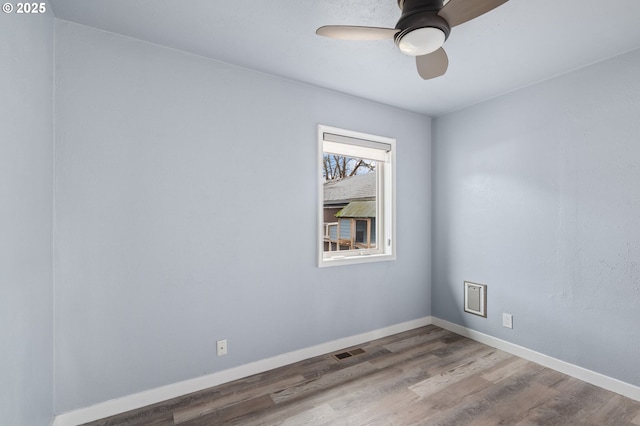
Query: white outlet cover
{"points": [[221, 346], [507, 320]]}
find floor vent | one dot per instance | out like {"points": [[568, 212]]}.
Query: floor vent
{"points": [[348, 354]]}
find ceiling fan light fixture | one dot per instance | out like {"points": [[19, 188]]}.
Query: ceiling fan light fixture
{"points": [[422, 41]]}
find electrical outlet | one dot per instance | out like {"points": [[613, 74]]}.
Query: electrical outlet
{"points": [[222, 347], [507, 320]]}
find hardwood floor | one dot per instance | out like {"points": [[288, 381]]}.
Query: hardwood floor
{"points": [[426, 376]]}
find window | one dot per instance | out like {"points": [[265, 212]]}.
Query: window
{"points": [[356, 197]]}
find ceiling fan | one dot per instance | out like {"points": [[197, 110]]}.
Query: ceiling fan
{"points": [[423, 28]]}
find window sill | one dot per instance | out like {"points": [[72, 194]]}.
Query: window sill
{"points": [[354, 260]]}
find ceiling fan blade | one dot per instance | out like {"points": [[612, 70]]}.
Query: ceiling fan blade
{"points": [[458, 12], [432, 65], [350, 32]]}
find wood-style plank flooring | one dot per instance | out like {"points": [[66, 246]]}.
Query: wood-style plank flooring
{"points": [[426, 376]]}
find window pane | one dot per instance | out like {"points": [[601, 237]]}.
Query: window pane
{"points": [[350, 188], [356, 197]]}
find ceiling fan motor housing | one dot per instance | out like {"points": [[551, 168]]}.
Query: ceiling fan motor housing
{"points": [[418, 14]]}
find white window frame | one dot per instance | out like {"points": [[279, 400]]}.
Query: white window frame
{"points": [[362, 145]]}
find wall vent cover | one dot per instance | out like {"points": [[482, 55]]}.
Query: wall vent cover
{"points": [[475, 298]]}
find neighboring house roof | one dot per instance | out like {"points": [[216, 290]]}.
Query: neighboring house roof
{"points": [[357, 187], [358, 209]]}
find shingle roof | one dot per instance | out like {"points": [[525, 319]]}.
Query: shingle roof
{"points": [[357, 187], [358, 209]]}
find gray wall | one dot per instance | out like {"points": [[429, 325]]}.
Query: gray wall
{"points": [[26, 180], [537, 194], [177, 179]]}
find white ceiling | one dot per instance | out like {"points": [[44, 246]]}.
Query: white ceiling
{"points": [[515, 45]]}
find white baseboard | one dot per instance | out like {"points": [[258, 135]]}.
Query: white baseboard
{"points": [[163, 393], [597, 379]]}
